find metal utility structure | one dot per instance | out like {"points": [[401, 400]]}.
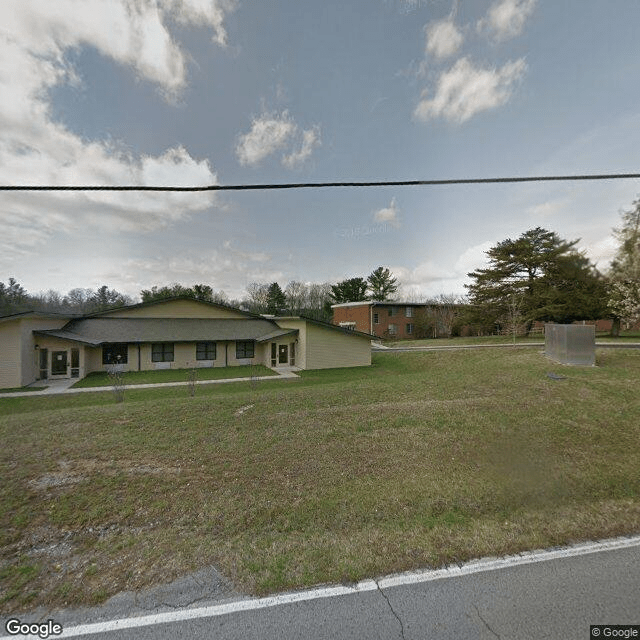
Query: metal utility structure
{"points": [[573, 344]]}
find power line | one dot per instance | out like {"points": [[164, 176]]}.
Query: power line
{"points": [[317, 185]]}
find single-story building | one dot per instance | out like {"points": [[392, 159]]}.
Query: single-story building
{"points": [[167, 334]]}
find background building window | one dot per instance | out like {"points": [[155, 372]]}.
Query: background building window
{"points": [[114, 353], [245, 349], [392, 311], [409, 312], [205, 350], [393, 329], [409, 329], [376, 318], [162, 352]]}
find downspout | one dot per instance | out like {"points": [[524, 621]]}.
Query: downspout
{"points": [[226, 354], [139, 358], [371, 318]]}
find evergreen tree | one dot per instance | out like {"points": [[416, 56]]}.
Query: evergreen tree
{"points": [[276, 300], [381, 284], [351, 290], [553, 281]]}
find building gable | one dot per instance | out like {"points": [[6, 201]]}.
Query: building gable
{"points": [[176, 308]]}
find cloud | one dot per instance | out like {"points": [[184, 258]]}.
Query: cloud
{"points": [[388, 214], [273, 132], [35, 38], [443, 38], [310, 140], [548, 209], [465, 90], [505, 18], [269, 133]]}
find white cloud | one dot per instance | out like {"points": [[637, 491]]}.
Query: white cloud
{"points": [[505, 18], [35, 37], [465, 90], [269, 133], [548, 209], [273, 132], [443, 38], [602, 251], [310, 140], [390, 214]]}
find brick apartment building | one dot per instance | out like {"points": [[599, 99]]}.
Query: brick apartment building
{"points": [[383, 319], [397, 320]]}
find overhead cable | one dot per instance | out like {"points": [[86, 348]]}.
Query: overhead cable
{"points": [[317, 185]]}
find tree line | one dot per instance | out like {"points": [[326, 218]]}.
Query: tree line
{"points": [[537, 277]]}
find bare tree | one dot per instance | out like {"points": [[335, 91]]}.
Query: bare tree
{"points": [[445, 310], [296, 294]]}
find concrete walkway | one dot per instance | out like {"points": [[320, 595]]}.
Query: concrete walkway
{"points": [[503, 345], [55, 387]]}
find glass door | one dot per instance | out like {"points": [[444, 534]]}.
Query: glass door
{"points": [[44, 364], [58, 363]]}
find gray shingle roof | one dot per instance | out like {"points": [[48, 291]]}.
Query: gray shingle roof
{"points": [[96, 331]]}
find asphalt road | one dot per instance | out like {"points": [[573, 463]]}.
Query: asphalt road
{"points": [[545, 597]]}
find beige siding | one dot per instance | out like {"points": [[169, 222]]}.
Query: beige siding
{"points": [[327, 348], [177, 309], [18, 355], [184, 357], [301, 346], [10, 355]]}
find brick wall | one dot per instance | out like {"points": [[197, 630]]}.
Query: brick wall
{"points": [[359, 315]]}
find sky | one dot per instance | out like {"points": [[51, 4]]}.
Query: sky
{"points": [[204, 92]]}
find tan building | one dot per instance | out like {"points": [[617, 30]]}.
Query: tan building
{"points": [[169, 334]]}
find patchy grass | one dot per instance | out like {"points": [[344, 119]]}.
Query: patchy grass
{"points": [[421, 459], [101, 378], [16, 389]]}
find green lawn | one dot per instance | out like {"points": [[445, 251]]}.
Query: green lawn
{"points": [[101, 378], [419, 460], [21, 389]]}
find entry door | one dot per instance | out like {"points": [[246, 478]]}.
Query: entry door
{"points": [[59, 363], [283, 354], [44, 364]]}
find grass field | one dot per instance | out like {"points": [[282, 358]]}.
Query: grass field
{"points": [[101, 378], [422, 459]]}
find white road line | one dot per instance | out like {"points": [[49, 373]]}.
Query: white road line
{"points": [[415, 577]]}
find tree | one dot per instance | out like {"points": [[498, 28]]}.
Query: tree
{"points": [[554, 281], [381, 284], [105, 298], [296, 294], [13, 297], [624, 275], [351, 290], [276, 299]]}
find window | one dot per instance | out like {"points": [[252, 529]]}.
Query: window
{"points": [[409, 328], [408, 312], [393, 329], [114, 353], [245, 349], [348, 325], [205, 350], [162, 352], [376, 318], [392, 311]]}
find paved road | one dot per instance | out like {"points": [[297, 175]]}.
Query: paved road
{"points": [[554, 595]]}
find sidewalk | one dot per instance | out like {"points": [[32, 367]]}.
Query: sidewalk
{"points": [[55, 387]]}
